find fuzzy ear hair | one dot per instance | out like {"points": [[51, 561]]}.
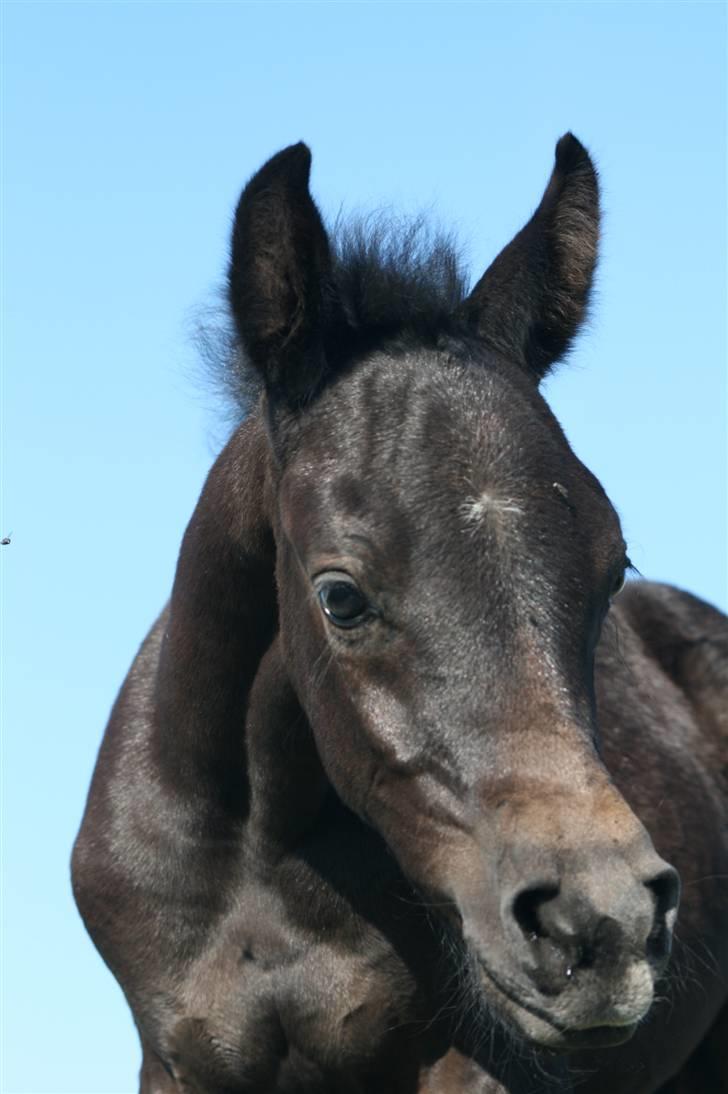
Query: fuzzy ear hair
{"points": [[280, 282], [531, 301]]}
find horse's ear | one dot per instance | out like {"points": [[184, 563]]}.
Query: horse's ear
{"points": [[531, 301], [280, 282]]}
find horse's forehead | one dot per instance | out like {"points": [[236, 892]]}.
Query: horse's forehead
{"points": [[417, 457], [431, 431], [415, 408]]}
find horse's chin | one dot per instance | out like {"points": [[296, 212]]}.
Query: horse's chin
{"points": [[541, 1030]]}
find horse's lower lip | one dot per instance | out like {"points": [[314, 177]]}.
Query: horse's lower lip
{"points": [[595, 1037], [557, 1037]]}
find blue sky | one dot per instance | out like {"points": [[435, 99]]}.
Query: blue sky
{"points": [[129, 130]]}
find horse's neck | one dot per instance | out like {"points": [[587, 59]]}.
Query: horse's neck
{"points": [[287, 781], [222, 620]]}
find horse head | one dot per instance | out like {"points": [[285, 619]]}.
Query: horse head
{"points": [[444, 565]]}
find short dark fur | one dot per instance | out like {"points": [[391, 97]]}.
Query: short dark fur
{"points": [[434, 850]]}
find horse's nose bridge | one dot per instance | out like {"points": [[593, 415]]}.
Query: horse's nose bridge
{"points": [[564, 817]]}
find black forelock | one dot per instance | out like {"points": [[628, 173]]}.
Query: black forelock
{"points": [[399, 279], [397, 274]]}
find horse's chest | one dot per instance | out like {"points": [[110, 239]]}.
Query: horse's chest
{"points": [[269, 1010]]}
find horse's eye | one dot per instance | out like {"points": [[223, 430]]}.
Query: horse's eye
{"points": [[343, 603]]}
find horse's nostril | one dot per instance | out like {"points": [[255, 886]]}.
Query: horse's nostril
{"points": [[527, 906], [665, 887]]}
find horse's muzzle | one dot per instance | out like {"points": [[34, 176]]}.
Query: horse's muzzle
{"points": [[583, 947], [598, 921]]}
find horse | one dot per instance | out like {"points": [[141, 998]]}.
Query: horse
{"points": [[407, 792]]}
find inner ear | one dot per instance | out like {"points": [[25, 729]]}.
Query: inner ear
{"points": [[280, 280], [532, 300]]}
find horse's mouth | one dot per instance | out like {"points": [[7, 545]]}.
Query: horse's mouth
{"points": [[541, 1029]]}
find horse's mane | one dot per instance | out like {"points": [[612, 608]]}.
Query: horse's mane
{"points": [[398, 278]]}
